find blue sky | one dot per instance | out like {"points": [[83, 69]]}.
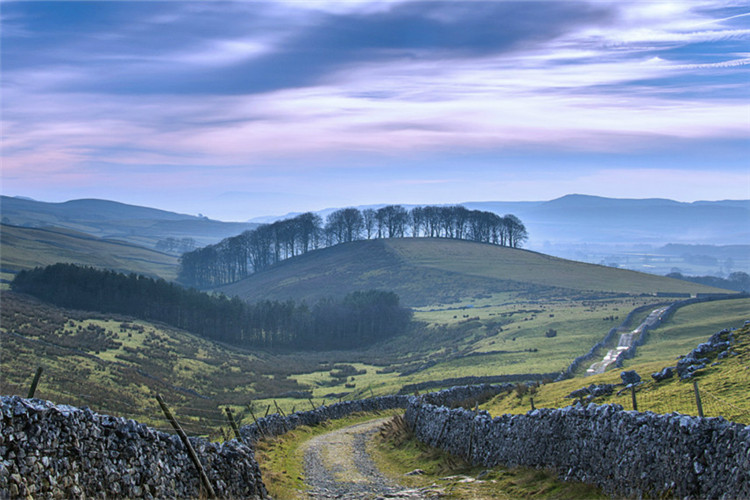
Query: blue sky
{"points": [[243, 109]]}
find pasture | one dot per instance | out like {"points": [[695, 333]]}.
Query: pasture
{"points": [[723, 386], [115, 365]]}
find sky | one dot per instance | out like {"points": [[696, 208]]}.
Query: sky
{"points": [[241, 109]]}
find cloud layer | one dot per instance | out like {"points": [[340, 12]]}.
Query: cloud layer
{"points": [[194, 99]]}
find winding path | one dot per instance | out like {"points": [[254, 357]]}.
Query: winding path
{"points": [[337, 465], [625, 343]]}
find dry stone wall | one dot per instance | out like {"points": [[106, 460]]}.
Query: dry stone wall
{"points": [[58, 451], [276, 424], [626, 453]]}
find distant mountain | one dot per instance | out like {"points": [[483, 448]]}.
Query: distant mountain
{"points": [[88, 209], [431, 271], [112, 220], [592, 219]]}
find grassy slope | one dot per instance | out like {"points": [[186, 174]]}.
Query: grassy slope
{"points": [[426, 271], [26, 248], [92, 360], [501, 263], [121, 379], [724, 387], [82, 368]]}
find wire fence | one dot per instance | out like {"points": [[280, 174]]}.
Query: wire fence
{"points": [[210, 420], [684, 398]]}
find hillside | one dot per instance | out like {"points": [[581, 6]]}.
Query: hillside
{"points": [[112, 220], [26, 248], [426, 271], [115, 364]]}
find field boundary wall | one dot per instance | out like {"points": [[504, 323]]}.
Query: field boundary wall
{"points": [[626, 453], [277, 424], [59, 451]]}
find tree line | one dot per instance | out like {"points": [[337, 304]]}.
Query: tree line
{"points": [[237, 257], [738, 280], [360, 318]]}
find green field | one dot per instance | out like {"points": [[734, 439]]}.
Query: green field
{"points": [[724, 386], [689, 325], [117, 369], [27, 248]]}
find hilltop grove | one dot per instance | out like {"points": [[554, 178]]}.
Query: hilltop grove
{"points": [[235, 258]]}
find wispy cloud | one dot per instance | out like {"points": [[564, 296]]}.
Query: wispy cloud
{"points": [[246, 86]]}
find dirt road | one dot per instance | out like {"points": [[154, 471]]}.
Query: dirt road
{"points": [[337, 465]]}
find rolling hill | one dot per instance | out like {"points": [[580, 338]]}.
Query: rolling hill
{"points": [[26, 248], [426, 271], [112, 220]]}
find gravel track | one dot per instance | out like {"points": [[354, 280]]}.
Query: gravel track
{"points": [[625, 343], [337, 465]]}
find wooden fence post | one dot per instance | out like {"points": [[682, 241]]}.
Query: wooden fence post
{"points": [[281, 413], [35, 382], [278, 409], [191, 452], [257, 424], [311, 403], [531, 400], [698, 398], [232, 423], [632, 393]]}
